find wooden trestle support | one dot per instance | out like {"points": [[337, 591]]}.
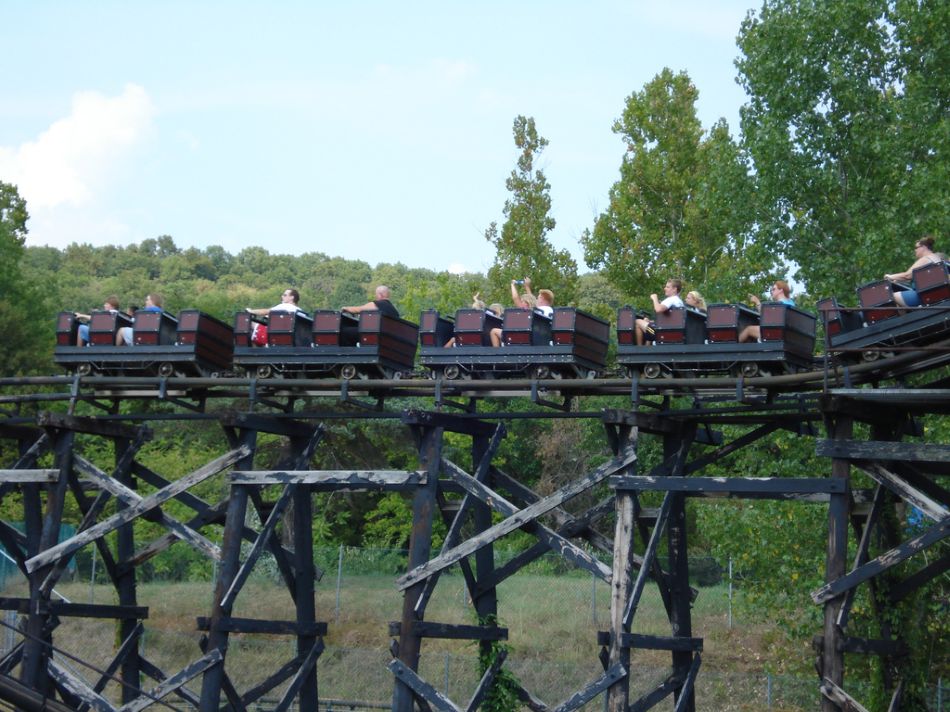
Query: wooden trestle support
{"points": [[33, 677]]}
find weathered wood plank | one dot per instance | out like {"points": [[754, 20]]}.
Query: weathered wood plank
{"points": [[305, 669], [514, 522], [933, 510], [78, 610], [147, 504], [551, 539], [656, 695], [339, 479], [422, 688], [592, 689], [156, 673], [132, 498], [899, 591], [453, 631], [277, 511], [840, 697], [882, 450], [710, 486], [285, 672], [263, 627], [20, 476], [685, 700], [659, 642], [77, 687], [883, 562], [174, 682], [488, 679], [90, 425], [649, 556]]}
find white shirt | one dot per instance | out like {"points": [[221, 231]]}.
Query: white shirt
{"points": [[673, 302]]}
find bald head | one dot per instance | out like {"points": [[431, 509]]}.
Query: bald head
{"points": [[382, 292]]}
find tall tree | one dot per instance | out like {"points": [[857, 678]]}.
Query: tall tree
{"points": [[522, 247], [848, 123], [682, 206], [24, 347]]}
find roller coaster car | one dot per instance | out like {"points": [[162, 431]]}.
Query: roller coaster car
{"points": [[885, 327], [688, 342], [572, 343], [835, 320], [877, 300], [332, 343], [434, 329], [195, 344]]}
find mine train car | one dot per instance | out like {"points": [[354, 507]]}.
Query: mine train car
{"points": [[328, 344], [569, 344], [686, 341], [878, 325], [194, 344]]}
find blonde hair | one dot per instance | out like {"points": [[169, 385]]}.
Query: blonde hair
{"points": [[698, 298], [477, 303], [530, 300], [499, 309], [547, 294]]}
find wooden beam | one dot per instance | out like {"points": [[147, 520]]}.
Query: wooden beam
{"points": [[592, 689], [900, 590], [77, 687], [174, 682], [300, 676], [551, 539], [263, 627], [21, 476], [452, 631], [131, 498], [841, 698], [512, 523], [721, 486], [882, 450], [883, 562], [488, 679], [90, 425], [421, 688], [653, 642], [931, 509], [156, 499], [77, 610], [385, 480]]}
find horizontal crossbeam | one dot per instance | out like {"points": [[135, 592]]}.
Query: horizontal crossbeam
{"points": [[724, 486], [338, 479]]}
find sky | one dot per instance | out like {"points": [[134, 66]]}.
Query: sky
{"points": [[371, 130]]}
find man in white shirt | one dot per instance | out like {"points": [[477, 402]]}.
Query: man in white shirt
{"points": [[671, 301]]}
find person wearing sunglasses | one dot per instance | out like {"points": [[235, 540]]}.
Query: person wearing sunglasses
{"points": [[924, 255]]}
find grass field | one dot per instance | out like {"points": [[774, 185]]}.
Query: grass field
{"points": [[552, 622]]}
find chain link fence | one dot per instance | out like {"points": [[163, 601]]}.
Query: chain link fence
{"points": [[552, 612]]}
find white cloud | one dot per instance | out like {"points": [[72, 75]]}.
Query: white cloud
{"points": [[72, 159], [457, 268]]}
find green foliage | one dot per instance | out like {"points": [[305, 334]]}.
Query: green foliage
{"points": [[683, 205], [23, 346], [848, 124], [503, 694], [522, 247]]}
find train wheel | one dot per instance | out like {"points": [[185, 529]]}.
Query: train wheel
{"points": [[265, 371], [84, 369], [870, 355], [652, 370], [347, 371], [749, 370], [541, 372], [451, 372], [165, 369]]}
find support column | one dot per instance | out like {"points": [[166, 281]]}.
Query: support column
{"points": [[675, 447], [424, 507], [832, 657], [486, 605], [618, 694], [230, 564], [126, 587]]}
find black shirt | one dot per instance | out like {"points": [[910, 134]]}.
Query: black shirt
{"points": [[386, 307]]}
